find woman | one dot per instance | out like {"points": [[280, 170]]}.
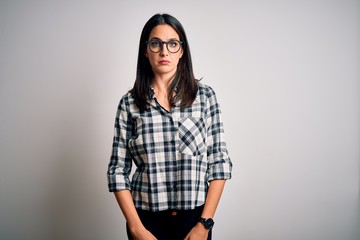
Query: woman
{"points": [[169, 125]]}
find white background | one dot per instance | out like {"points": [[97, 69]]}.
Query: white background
{"points": [[287, 77]]}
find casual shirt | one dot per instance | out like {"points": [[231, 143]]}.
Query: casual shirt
{"points": [[176, 152]]}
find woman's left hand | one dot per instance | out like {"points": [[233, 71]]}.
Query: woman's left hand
{"points": [[199, 232]]}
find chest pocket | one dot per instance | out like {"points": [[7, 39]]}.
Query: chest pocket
{"points": [[192, 136]]}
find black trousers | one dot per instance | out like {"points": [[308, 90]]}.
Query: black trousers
{"points": [[169, 224]]}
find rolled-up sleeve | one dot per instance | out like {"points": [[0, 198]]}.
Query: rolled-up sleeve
{"points": [[219, 162], [120, 164]]}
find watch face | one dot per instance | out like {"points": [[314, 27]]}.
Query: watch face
{"points": [[209, 223]]}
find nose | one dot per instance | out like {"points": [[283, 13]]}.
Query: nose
{"points": [[164, 51]]}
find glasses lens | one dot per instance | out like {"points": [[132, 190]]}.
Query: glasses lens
{"points": [[173, 46], [155, 46]]}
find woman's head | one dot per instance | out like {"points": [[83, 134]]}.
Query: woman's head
{"points": [[184, 78], [161, 19], [164, 51]]}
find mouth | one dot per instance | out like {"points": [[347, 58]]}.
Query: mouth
{"points": [[164, 62]]}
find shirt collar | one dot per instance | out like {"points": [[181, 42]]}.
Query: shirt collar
{"points": [[151, 92]]}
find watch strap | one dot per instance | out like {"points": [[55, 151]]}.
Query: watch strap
{"points": [[208, 223]]}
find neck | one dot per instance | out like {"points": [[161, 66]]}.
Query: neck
{"points": [[161, 93], [161, 83]]}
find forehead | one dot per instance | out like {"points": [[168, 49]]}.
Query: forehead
{"points": [[163, 32]]}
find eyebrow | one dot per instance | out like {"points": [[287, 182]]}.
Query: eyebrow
{"points": [[171, 39]]}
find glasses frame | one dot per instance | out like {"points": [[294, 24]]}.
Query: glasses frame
{"points": [[162, 45]]}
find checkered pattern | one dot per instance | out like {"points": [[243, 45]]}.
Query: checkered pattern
{"points": [[176, 153]]}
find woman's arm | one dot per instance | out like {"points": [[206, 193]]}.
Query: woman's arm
{"points": [[213, 198], [127, 207]]}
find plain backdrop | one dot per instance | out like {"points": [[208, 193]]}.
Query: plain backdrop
{"points": [[287, 77]]}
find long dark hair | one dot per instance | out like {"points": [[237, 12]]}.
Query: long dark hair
{"points": [[184, 80]]}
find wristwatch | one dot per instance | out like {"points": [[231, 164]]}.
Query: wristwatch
{"points": [[208, 223]]}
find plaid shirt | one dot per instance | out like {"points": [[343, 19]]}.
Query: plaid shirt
{"points": [[176, 152]]}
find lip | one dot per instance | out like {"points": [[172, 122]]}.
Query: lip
{"points": [[164, 62]]}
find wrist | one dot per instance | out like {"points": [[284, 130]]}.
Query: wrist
{"points": [[207, 223], [137, 233], [201, 227], [136, 228]]}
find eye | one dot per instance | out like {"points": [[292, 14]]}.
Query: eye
{"points": [[173, 44], [155, 44]]}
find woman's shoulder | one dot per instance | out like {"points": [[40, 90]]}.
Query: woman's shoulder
{"points": [[127, 99], [205, 89]]}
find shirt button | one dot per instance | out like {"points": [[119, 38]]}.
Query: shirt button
{"points": [[173, 213]]}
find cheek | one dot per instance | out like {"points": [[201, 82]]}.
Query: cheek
{"points": [[178, 59], [181, 52], [151, 59]]}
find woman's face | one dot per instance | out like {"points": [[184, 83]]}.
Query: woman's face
{"points": [[164, 63]]}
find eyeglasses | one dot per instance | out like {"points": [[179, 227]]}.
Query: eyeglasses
{"points": [[156, 45]]}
